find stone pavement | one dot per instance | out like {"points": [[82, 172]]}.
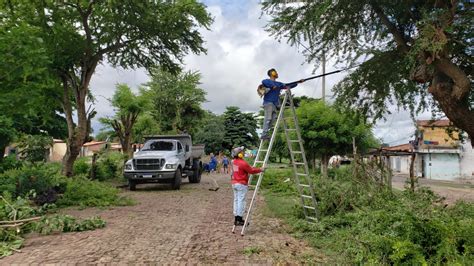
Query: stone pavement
{"points": [[192, 225]]}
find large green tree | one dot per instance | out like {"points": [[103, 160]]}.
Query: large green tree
{"points": [[177, 100], [128, 107], [327, 132], [80, 35], [417, 53], [240, 128], [29, 91], [211, 133]]}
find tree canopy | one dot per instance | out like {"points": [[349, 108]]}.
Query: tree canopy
{"points": [[327, 132], [176, 100], [29, 92], [240, 128], [211, 133], [79, 35], [417, 53], [128, 107]]}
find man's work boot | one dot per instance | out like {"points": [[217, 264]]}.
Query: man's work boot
{"points": [[240, 221], [237, 220]]}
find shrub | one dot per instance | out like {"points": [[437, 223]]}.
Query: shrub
{"points": [[35, 148], [274, 180], [11, 238], [84, 192], [368, 224], [44, 179], [109, 165], [9, 162], [82, 166]]}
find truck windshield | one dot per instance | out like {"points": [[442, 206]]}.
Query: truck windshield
{"points": [[158, 145]]}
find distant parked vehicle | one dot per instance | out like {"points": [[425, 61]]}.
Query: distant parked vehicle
{"points": [[165, 159]]}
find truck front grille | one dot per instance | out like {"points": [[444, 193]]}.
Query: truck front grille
{"points": [[148, 164]]}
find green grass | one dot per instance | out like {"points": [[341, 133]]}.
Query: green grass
{"points": [[248, 251]]}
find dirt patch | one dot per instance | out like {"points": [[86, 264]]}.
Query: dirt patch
{"points": [[191, 225]]}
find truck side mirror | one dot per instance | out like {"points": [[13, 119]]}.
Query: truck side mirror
{"points": [[187, 148]]}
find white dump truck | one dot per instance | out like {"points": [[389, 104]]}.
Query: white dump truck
{"points": [[165, 159]]}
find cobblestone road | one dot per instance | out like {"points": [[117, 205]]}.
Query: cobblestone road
{"points": [[192, 225]]}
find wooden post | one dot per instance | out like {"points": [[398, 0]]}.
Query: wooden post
{"points": [[412, 171], [93, 166], [355, 160]]}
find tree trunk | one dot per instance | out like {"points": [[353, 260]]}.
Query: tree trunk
{"points": [[126, 145], [77, 134], [70, 157], [324, 165], [457, 111]]}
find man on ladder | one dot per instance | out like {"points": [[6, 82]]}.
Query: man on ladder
{"points": [[270, 88]]}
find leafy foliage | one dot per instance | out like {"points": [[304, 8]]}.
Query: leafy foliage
{"points": [[326, 131], [81, 191], [146, 125], [109, 165], [82, 166], [81, 35], [211, 133], [34, 148], [416, 53], [10, 162], [67, 223], [176, 100], [363, 223], [28, 90], [44, 179], [128, 108], [240, 128], [14, 209]]}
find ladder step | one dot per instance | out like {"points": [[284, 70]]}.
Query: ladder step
{"points": [[312, 218], [297, 152], [304, 185], [306, 196], [309, 207], [301, 174], [259, 162], [290, 129], [299, 163], [262, 150], [294, 140]]}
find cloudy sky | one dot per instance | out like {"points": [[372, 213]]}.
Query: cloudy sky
{"points": [[239, 53]]}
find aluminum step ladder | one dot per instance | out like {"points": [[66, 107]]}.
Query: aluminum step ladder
{"points": [[288, 120]]}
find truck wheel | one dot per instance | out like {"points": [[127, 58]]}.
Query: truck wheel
{"points": [[177, 179], [197, 171], [132, 185]]}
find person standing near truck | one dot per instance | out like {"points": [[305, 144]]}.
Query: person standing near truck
{"points": [[240, 177], [213, 163], [271, 100], [225, 163]]}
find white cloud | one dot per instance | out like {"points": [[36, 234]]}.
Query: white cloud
{"points": [[239, 54]]}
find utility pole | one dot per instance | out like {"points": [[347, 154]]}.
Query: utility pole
{"points": [[324, 78]]}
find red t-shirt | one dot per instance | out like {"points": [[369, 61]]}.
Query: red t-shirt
{"points": [[241, 170]]}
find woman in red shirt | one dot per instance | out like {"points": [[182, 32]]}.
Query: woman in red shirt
{"points": [[240, 177]]}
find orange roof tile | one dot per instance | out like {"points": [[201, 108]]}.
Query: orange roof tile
{"points": [[92, 143], [434, 123]]}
